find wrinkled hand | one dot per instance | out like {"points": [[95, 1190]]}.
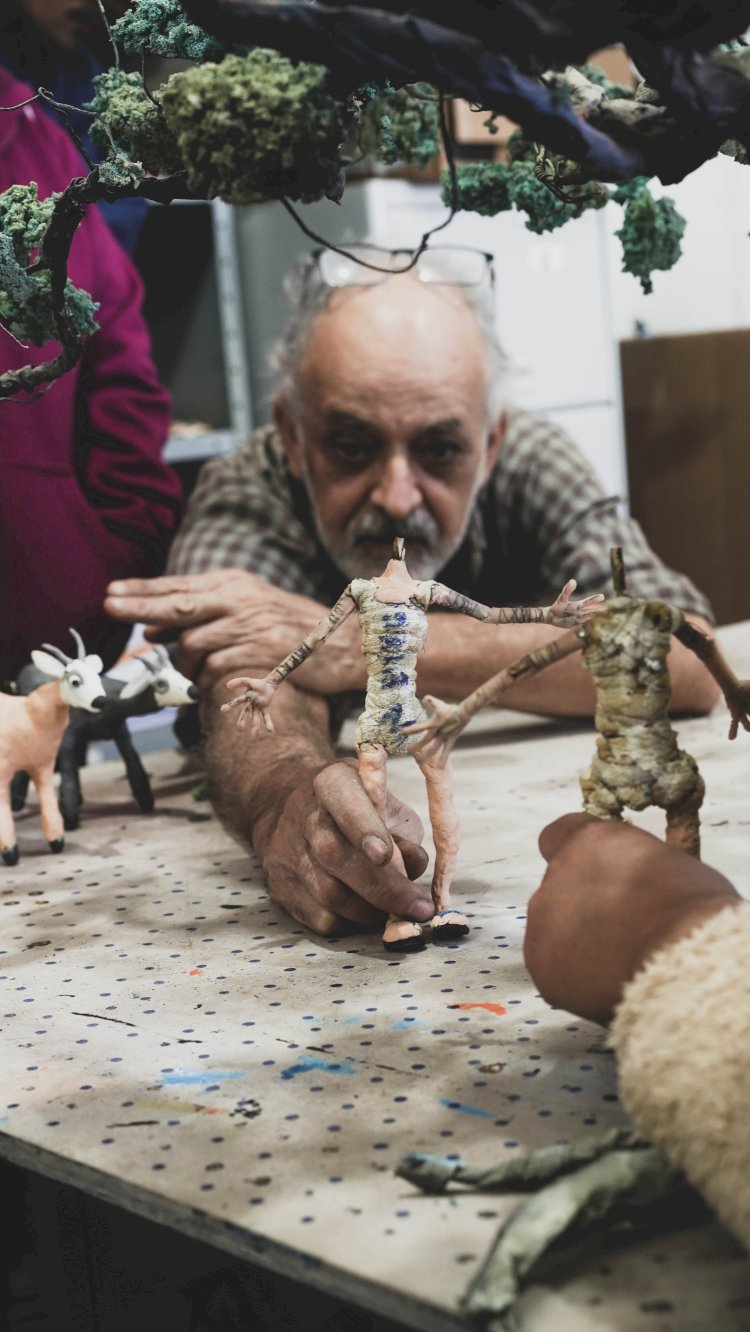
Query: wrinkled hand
{"points": [[256, 700], [738, 702], [567, 614], [612, 895], [328, 855], [230, 620], [442, 727]]}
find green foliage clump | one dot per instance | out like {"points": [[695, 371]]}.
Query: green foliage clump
{"points": [[26, 307], [257, 127], [161, 28], [651, 231], [494, 187], [118, 170], [544, 211], [482, 187], [596, 75], [395, 126], [134, 120]]}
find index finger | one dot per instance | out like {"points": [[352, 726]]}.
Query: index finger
{"points": [[342, 795], [164, 585], [179, 607]]}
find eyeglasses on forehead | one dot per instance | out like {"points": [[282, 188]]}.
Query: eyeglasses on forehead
{"points": [[365, 265]]}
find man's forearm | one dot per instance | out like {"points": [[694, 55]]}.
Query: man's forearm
{"points": [[462, 654], [252, 774]]}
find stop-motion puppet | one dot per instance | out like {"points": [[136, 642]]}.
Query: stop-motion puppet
{"points": [[392, 614], [637, 761]]}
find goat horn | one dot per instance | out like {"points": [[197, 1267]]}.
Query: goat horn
{"points": [[79, 644], [151, 667], [57, 652]]}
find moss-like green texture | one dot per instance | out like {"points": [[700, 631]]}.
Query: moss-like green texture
{"points": [[161, 27], [26, 298], [134, 120], [396, 126], [257, 127]]}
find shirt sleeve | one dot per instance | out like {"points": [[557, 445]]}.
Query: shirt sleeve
{"points": [[681, 1035], [241, 516], [559, 498]]}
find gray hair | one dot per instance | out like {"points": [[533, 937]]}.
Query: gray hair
{"points": [[308, 297]]}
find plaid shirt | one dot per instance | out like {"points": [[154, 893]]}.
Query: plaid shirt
{"points": [[541, 519]]}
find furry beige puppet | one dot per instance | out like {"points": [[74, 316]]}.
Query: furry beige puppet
{"points": [[637, 762]]}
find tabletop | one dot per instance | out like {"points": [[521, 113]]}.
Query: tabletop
{"points": [[175, 1044]]}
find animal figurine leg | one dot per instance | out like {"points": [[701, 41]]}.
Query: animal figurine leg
{"points": [[49, 810], [137, 775], [399, 935], [447, 923], [8, 844], [70, 786], [18, 790]]}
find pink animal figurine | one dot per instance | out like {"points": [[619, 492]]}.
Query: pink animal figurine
{"points": [[31, 729]]}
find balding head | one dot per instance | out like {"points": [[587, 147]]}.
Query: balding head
{"points": [[386, 421]]}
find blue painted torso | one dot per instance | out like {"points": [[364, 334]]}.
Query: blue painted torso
{"points": [[393, 633]]}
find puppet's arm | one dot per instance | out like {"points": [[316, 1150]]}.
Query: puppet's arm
{"points": [[736, 692], [258, 693], [445, 723], [563, 613]]}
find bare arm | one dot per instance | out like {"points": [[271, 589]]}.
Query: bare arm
{"points": [[563, 613], [736, 692], [325, 850], [258, 692]]}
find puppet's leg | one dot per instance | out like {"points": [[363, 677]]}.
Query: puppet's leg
{"points": [[600, 798], [398, 935], [446, 834], [680, 792]]}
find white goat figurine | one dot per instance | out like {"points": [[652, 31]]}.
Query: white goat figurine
{"points": [[31, 728]]}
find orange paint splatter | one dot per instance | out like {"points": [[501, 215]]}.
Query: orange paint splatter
{"points": [[197, 971], [490, 1008]]}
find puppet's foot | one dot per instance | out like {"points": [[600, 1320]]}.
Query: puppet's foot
{"points": [[448, 924], [57, 845], [403, 936], [10, 855]]}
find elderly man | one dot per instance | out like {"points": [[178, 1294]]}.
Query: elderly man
{"points": [[389, 421]]}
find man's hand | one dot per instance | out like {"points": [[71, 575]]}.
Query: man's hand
{"points": [[328, 855], [230, 620], [612, 895]]}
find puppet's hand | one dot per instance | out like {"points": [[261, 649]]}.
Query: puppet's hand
{"points": [[442, 728], [256, 700], [567, 614], [738, 702]]}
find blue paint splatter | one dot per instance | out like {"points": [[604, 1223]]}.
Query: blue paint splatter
{"points": [[317, 1066], [186, 1078], [467, 1109], [403, 1023]]}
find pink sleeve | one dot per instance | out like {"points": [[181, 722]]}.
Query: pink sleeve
{"points": [[123, 411]]}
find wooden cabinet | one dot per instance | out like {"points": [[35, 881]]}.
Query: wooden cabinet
{"points": [[686, 403]]}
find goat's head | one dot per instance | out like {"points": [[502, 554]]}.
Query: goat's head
{"points": [[171, 688], [79, 676]]}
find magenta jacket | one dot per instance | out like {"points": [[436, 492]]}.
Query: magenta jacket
{"points": [[84, 494]]}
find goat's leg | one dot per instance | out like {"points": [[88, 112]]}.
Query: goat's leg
{"points": [[70, 788], [49, 811], [137, 775], [18, 790], [8, 845]]}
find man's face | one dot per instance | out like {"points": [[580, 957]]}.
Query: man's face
{"points": [[389, 430], [67, 23]]}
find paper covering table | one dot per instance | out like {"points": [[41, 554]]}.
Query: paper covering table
{"points": [[174, 1044]]}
